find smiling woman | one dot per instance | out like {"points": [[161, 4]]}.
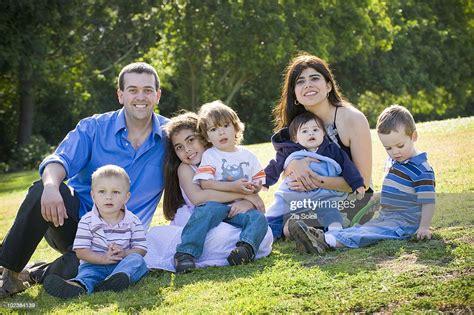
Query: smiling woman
{"points": [[310, 87]]}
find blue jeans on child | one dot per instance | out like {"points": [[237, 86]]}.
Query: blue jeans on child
{"points": [[387, 226], [92, 274], [209, 215]]}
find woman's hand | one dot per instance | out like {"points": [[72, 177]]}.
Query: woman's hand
{"points": [[304, 179]]}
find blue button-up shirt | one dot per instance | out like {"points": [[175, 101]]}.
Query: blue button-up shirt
{"points": [[102, 139]]}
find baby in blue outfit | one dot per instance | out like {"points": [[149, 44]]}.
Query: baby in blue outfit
{"points": [[308, 134]]}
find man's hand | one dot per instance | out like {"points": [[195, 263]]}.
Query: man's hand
{"points": [[52, 205]]}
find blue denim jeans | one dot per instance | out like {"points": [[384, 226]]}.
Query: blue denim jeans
{"points": [[209, 215], [388, 226], [92, 274]]}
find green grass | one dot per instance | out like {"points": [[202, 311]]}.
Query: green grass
{"points": [[392, 276]]}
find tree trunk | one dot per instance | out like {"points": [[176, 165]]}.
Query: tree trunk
{"points": [[193, 79], [237, 86], [27, 106]]}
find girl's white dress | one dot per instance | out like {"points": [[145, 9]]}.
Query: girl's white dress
{"points": [[220, 241]]}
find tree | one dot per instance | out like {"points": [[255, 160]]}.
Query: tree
{"points": [[236, 50], [73, 46], [428, 66]]}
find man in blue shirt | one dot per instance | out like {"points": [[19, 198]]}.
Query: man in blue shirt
{"points": [[132, 137]]}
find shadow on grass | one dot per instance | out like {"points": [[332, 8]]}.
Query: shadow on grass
{"points": [[398, 256], [221, 274], [147, 294], [159, 288]]}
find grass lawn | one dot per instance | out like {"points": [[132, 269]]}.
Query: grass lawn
{"points": [[392, 276]]}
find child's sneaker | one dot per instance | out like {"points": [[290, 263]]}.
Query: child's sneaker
{"points": [[64, 289], [308, 239], [242, 254], [184, 262], [117, 282]]}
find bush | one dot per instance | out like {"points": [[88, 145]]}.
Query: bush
{"points": [[28, 156], [424, 106], [4, 167]]}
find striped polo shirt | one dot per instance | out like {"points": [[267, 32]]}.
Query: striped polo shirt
{"points": [[408, 185], [96, 234]]}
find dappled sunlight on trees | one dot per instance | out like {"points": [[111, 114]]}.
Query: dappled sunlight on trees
{"points": [[59, 59]]}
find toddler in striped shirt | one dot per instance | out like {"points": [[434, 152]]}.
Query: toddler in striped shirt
{"points": [[110, 241]]}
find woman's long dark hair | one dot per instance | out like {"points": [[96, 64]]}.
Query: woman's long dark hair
{"points": [[286, 109], [172, 197]]}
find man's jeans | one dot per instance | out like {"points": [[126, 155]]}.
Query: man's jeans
{"points": [[92, 274], [209, 215], [29, 228]]}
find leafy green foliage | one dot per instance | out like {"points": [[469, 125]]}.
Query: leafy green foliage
{"points": [[61, 53], [28, 156], [428, 67], [67, 54]]}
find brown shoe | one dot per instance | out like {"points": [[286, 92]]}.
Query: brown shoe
{"points": [[26, 274], [308, 239], [11, 284]]}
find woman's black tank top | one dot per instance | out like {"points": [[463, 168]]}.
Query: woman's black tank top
{"points": [[334, 135]]}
